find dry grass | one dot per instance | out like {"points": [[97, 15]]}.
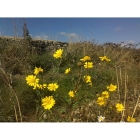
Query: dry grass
{"points": [[19, 102]]}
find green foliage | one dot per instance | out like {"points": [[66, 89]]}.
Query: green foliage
{"points": [[83, 106], [44, 61]]}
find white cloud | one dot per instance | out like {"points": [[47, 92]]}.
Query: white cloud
{"points": [[127, 43], [62, 33], [117, 29], [42, 37], [130, 41], [71, 36]]}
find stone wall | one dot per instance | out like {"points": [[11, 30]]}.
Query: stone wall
{"points": [[47, 45], [34, 44]]}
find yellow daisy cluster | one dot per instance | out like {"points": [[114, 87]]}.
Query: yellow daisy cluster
{"points": [[33, 81], [131, 119], [87, 79], [39, 86], [102, 99], [48, 102], [87, 64], [105, 94], [58, 53], [104, 58]]}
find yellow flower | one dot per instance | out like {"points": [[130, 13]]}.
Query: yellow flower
{"points": [[52, 86], [48, 102], [119, 107], [67, 70], [130, 119], [87, 79], [44, 85], [41, 86], [105, 94], [101, 101], [104, 58], [71, 93], [37, 70], [35, 86], [86, 58], [112, 87], [58, 53], [32, 80], [88, 65]]}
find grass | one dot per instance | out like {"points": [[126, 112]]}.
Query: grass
{"points": [[20, 103]]}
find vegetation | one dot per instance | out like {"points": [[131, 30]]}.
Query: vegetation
{"points": [[84, 82], [26, 34]]}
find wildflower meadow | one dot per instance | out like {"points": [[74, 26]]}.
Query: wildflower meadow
{"points": [[84, 82]]}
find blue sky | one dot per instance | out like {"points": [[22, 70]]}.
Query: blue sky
{"points": [[102, 30]]}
